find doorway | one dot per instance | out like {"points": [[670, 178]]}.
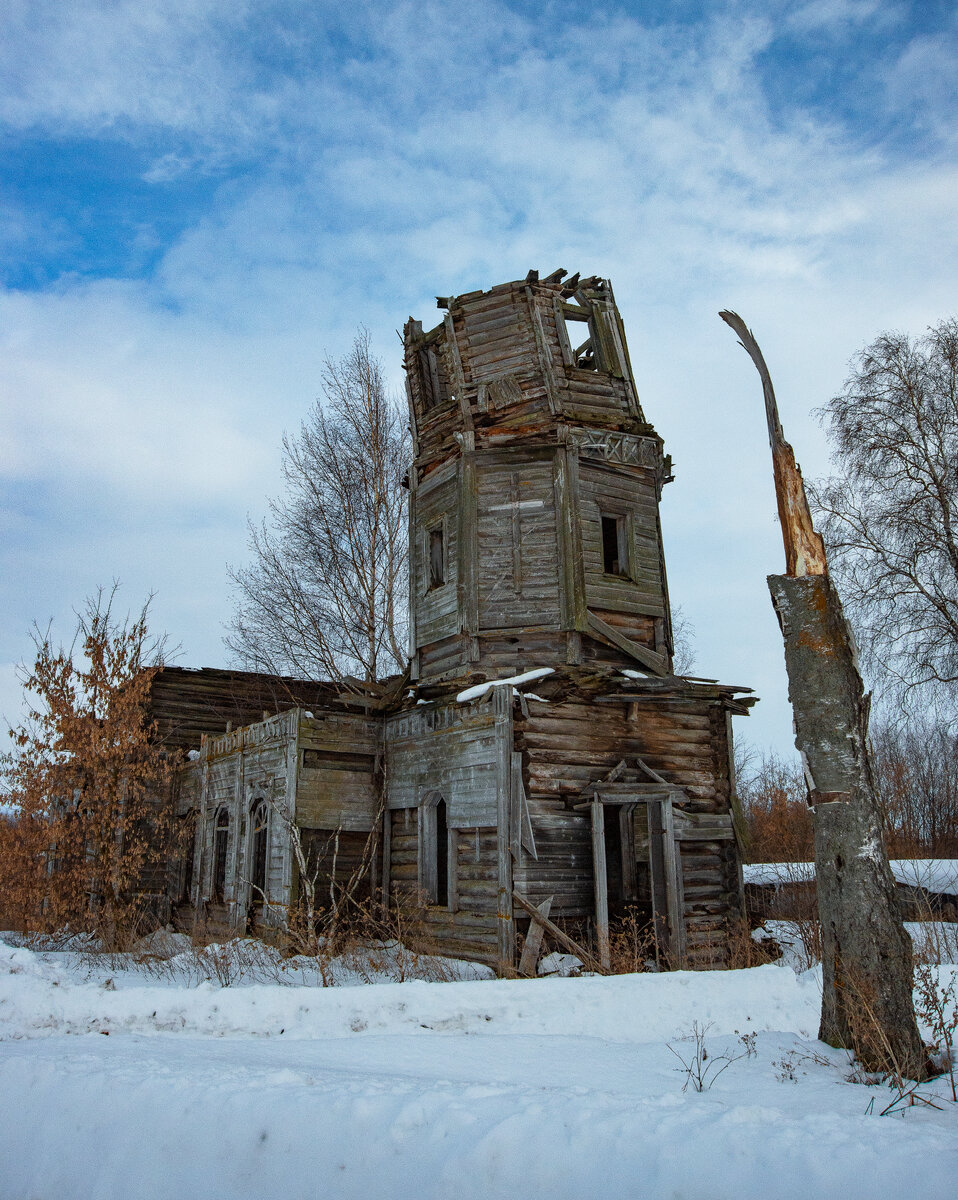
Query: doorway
{"points": [[637, 882]]}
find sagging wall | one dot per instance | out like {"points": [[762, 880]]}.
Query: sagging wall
{"points": [[445, 851], [565, 747], [239, 784], [306, 771]]}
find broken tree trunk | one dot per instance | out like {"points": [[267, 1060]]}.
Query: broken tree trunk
{"points": [[866, 953]]}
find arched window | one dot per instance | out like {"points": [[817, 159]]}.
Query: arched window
{"points": [[221, 838], [259, 846], [434, 842]]}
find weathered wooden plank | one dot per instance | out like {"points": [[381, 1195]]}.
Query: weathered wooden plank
{"points": [[532, 946], [647, 658], [560, 935], [600, 875]]}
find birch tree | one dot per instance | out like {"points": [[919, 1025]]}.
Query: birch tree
{"points": [[890, 515], [324, 596]]}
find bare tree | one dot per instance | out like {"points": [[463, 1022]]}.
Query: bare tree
{"points": [[683, 642], [775, 798], [890, 517], [324, 596], [916, 775]]}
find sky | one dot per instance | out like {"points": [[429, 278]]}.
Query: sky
{"points": [[201, 199]]}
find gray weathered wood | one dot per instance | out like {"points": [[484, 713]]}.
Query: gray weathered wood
{"points": [[560, 936], [600, 874], [647, 658], [506, 941], [532, 946]]}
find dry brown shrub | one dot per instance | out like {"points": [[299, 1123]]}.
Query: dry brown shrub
{"points": [[774, 798], [91, 828], [743, 950], [632, 944]]}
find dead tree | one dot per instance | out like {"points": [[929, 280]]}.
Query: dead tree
{"points": [[866, 953]]}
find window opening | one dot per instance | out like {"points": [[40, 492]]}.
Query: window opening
{"points": [[221, 836], [442, 854], [259, 851], [615, 555], [437, 563], [583, 352]]}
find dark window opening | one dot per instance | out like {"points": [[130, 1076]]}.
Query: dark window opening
{"points": [[437, 564], [344, 760], [615, 556], [260, 843], [442, 854], [221, 837], [189, 864]]}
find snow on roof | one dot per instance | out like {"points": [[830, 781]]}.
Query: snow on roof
{"points": [[933, 874], [480, 689]]}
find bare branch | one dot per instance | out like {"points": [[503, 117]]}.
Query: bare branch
{"points": [[319, 598]]}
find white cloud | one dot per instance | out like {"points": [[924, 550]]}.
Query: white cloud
{"points": [[839, 15]]}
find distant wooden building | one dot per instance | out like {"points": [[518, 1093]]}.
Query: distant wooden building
{"points": [[540, 757]]}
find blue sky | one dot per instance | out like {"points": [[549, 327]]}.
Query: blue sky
{"points": [[200, 199]]}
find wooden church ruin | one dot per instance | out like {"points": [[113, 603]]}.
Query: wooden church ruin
{"points": [[540, 767]]}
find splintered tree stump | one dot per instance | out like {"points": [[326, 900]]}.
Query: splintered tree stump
{"points": [[866, 953]]}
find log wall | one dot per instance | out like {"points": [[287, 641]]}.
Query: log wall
{"points": [[564, 747]]}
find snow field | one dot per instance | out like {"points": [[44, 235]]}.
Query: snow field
{"points": [[559, 1088]]}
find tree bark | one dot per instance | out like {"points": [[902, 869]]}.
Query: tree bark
{"points": [[866, 953]]}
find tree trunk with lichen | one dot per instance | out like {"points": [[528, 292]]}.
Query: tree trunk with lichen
{"points": [[866, 954]]}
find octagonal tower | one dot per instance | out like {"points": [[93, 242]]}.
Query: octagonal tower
{"points": [[534, 491]]}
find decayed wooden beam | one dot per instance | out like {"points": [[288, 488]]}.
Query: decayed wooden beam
{"points": [[866, 953], [601, 877], [560, 936], [648, 658], [532, 946]]}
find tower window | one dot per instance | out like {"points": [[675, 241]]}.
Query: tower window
{"points": [[437, 557], [615, 549], [579, 333]]}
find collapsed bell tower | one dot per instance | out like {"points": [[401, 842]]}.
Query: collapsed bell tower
{"points": [[534, 523]]}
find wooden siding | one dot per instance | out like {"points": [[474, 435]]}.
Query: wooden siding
{"points": [[471, 930], [338, 859], [436, 607], [452, 749], [190, 704], [338, 789], [619, 491], [518, 554], [564, 747]]}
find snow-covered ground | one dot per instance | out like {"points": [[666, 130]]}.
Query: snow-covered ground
{"points": [[125, 1082]]}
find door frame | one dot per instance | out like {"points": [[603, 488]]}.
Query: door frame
{"points": [[664, 869]]}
